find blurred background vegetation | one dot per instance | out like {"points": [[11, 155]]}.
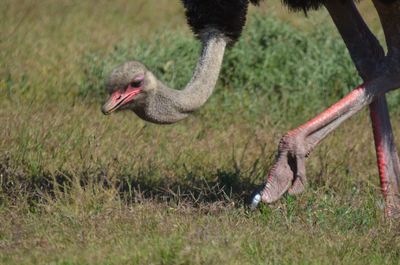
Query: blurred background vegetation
{"points": [[81, 188]]}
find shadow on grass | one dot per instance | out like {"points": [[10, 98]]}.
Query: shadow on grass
{"points": [[227, 187]]}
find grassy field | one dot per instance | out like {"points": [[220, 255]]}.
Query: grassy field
{"points": [[81, 188]]}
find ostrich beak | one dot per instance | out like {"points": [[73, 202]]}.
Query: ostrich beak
{"points": [[118, 99]]}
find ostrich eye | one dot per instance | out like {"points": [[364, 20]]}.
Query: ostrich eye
{"points": [[136, 83]]}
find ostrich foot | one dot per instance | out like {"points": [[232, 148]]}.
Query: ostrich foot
{"points": [[289, 172]]}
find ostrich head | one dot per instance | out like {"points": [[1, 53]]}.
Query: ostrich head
{"points": [[132, 86]]}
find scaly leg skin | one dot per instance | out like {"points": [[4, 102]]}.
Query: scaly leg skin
{"points": [[370, 61], [366, 57], [288, 172], [295, 146], [388, 160]]}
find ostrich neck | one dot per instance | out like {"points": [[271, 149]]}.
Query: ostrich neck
{"points": [[170, 105], [205, 75]]}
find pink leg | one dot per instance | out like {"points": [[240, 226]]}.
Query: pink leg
{"points": [[369, 59], [288, 172], [295, 146], [388, 160]]}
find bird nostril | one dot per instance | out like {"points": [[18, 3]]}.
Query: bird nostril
{"points": [[119, 97]]}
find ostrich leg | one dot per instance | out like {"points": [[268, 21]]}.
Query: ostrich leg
{"points": [[295, 146], [367, 61], [388, 160], [289, 169]]}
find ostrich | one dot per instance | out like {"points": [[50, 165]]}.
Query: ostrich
{"points": [[218, 24]]}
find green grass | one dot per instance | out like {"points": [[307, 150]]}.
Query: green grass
{"points": [[81, 188]]}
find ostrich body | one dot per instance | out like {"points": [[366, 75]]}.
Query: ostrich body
{"points": [[218, 23]]}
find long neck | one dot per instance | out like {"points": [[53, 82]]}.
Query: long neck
{"points": [[205, 76], [170, 105]]}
